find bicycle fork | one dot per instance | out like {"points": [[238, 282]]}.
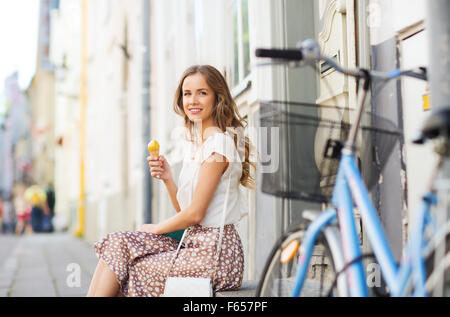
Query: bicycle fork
{"points": [[306, 248]]}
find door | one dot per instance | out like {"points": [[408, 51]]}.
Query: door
{"points": [[419, 159]]}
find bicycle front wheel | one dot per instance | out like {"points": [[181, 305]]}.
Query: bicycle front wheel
{"points": [[278, 278]]}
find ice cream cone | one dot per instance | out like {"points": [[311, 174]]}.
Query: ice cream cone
{"points": [[153, 148]]}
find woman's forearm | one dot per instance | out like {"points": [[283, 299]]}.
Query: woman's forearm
{"points": [[181, 220], [173, 189]]}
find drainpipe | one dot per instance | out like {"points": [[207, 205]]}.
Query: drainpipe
{"points": [[79, 232], [147, 195], [438, 25]]}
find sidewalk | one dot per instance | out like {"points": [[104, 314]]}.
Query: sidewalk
{"points": [[45, 265], [56, 265]]}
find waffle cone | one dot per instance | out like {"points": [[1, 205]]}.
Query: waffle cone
{"points": [[154, 153]]}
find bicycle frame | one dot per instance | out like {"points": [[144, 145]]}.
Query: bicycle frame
{"points": [[350, 190]]}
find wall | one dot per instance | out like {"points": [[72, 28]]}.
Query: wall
{"points": [[65, 55], [41, 94], [388, 22], [114, 146]]}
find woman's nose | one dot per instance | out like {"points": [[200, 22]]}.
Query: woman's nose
{"points": [[194, 99]]}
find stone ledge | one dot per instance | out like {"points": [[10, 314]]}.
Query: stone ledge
{"points": [[248, 289]]}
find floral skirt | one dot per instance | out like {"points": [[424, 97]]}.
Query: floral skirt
{"points": [[141, 260]]}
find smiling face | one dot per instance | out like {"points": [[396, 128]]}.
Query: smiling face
{"points": [[198, 99]]}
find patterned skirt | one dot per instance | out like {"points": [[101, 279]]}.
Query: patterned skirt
{"points": [[141, 260]]}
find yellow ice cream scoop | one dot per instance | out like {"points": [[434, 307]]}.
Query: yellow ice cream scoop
{"points": [[153, 148]]}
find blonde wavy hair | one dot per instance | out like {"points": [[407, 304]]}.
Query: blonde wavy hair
{"points": [[225, 114]]}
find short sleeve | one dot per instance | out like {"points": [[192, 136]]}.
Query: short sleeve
{"points": [[221, 144]]}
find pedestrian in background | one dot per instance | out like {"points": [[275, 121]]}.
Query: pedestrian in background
{"points": [[40, 212], [22, 209], [50, 192], [7, 214], [137, 263]]}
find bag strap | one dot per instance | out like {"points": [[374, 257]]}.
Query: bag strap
{"points": [[222, 227], [219, 245]]}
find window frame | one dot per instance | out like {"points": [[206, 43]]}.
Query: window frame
{"points": [[243, 79]]}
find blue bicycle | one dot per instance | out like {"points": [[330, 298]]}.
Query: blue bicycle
{"points": [[322, 255]]}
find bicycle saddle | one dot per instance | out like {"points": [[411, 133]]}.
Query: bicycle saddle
{"points": [[437, 125]]}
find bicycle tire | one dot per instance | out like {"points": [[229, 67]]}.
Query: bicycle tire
{"points": [[278, 279]]}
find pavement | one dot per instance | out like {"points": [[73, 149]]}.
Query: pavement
{"points": [[56, 265], [45, 265]]}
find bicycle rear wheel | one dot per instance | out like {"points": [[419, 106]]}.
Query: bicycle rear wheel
{"points": [[278, 278], [438, 270]]}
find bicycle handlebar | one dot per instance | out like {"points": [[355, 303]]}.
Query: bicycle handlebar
{"points": [[309, 52], [289, 54]]}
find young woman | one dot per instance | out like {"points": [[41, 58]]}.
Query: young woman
{"points": [[137, 263]]}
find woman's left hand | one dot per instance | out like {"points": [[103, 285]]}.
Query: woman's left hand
{"points": [[151, 228]]}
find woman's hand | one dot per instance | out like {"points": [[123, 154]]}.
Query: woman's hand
{"points": [[151, 228], [159, 168]]}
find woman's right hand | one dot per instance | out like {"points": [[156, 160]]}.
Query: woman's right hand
{"points": [[159, 168]]}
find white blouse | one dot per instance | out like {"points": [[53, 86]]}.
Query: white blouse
{"points": [[222, 144]]}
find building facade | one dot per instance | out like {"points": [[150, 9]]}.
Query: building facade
{"points": [[15, 138], [41, 97], [111, 173]]}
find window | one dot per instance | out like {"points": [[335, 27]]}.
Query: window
{"points": [[241, 42]]}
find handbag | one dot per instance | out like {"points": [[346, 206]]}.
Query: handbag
{"points": [[195, 286]]}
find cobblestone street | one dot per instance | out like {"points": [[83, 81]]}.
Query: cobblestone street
{"points": [[45, 265]]}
